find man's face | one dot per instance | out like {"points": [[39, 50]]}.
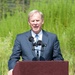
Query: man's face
{"points": [[35, 22]]}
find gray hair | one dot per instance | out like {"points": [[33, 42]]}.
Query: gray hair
{"points": [[33, 12]]}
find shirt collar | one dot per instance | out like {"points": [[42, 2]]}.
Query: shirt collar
{"points": [[39, 34]]}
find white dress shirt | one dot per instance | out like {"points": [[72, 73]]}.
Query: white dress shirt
{"points": [[38, 48]]}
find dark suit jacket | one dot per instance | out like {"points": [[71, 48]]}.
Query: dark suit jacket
{"points": [[23, 47]]}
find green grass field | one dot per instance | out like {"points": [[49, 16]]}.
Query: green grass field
{"points": [[59, 16]]}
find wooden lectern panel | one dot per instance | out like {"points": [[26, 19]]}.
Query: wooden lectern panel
{"points": [[41, 68]]}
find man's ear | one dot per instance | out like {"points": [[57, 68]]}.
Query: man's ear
{"points": [[28, 22], [43, 22]]}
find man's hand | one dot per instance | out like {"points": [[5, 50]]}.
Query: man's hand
{"points": [[10, 72]]}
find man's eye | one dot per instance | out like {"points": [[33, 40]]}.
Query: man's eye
{"points": [[37, 20], [32, 21]]}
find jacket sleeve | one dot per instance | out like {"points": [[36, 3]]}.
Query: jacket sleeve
{"points": [[56, 50], [16, 53]]}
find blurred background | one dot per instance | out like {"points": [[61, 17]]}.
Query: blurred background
{"points": [[59, 16]]}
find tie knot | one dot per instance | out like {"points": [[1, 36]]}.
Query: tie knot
{"points": [[36, 35]]}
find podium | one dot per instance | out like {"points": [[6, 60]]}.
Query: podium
{"points": [[41, 68]]}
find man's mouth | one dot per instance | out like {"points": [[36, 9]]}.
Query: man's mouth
{"points": [[36, 26]]}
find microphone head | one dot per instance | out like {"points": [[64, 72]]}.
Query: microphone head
{"points": [[44, 45], [39, 42], [35, 44], [31, 39]]}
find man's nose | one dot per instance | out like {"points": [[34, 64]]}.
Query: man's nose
{"points": [[35, 22]]}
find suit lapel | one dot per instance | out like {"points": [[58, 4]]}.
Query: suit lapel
{"points": [[30, 43], [45, 41]]}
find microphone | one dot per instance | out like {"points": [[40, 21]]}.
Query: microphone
{"points": [[31, 39], [35, 45], [39, 42]]}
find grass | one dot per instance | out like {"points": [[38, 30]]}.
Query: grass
{"points": [[59, 18]]}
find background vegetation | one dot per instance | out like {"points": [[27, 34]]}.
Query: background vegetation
{"points": [[59, 18]]}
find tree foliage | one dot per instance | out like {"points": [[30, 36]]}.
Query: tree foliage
{"points": [[10, 6]]}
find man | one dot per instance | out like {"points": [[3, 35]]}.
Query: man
{"points": [[26, 45]]}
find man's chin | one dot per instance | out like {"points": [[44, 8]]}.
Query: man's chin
{"points": [[36, 31]]}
